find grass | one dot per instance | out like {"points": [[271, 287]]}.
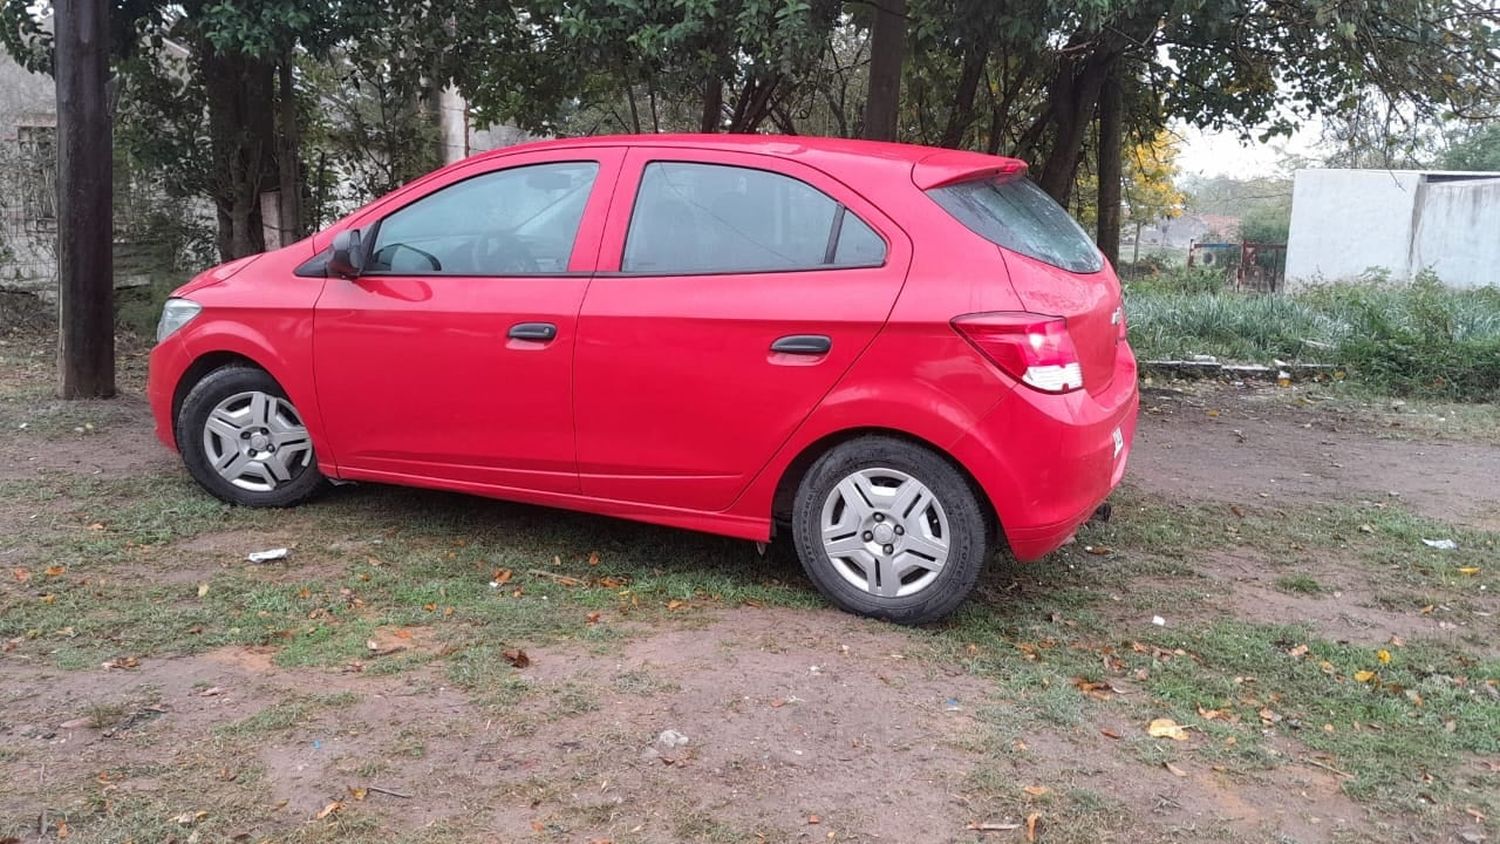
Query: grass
{"points": [[1417, 339], [1299, 584]]}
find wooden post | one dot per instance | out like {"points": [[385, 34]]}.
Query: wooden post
{"points": [[85, 237]]}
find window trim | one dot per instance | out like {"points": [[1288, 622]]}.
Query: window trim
{"points": [[367, 243], [840, 212]]}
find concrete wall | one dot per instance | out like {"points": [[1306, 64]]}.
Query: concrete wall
{"points": [[1345, 222], [27, 242], [1458, 231]]}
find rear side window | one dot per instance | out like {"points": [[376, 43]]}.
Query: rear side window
{"points": [[1012, 212], [711, 218]]}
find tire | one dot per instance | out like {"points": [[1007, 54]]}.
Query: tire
{"points": [[888, 572], [246, 400]]}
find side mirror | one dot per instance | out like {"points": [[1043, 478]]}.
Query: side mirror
{"points": [[348, 257]]}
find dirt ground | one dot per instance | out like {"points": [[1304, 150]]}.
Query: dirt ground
{"points": [[763, 719]]}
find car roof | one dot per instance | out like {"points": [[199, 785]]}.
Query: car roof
{"points": [[927, 166]]}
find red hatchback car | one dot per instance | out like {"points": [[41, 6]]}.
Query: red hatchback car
{"points": [[896, 356]]}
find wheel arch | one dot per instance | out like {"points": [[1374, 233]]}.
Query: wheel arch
{"points": [[791, 476], [203, 365]]}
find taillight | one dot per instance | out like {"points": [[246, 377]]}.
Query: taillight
{"points": [[1034, 349]]}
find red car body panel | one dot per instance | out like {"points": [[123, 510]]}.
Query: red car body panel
{"points": [[660, 400]]}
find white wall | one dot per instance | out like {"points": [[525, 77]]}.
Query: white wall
{"points": [[1347, 221], [1458, 231]]}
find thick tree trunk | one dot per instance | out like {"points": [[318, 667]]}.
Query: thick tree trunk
{"points": [[1111, 150], [1071, 103], [713, 104], [241, 134], [962, 113], [85, 236], [887, 55], [289, 156]]}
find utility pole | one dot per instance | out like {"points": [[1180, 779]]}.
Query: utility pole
{"points": [[85, 192]]}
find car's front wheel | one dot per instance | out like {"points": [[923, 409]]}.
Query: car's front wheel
{"points": [[243, 441], [889, 529]]}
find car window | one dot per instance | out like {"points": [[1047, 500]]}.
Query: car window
{"points": [[520, 221], [1012, 212], [712, 218]]}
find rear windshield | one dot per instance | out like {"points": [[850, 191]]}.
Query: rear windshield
{"points": [[1012, 212]]}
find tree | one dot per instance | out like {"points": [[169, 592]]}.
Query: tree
{"points": [[887, 56], [86, 353], [1474, 147]]}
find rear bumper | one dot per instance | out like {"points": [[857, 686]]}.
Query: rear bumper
{"points": [[1048, 461]]}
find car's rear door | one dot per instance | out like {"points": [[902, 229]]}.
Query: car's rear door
{"points": [[734, 289], [451, 357]]}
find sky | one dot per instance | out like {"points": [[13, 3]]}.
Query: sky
{"points": [[1224, 154]]}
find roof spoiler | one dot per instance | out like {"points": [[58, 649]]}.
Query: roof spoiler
{"points": [[950, 166]]}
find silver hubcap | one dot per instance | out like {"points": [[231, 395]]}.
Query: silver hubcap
{"points": [[885, 532], [256, 441]]}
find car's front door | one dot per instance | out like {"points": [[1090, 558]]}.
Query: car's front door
{"points": [[451, 357], [733, 291]]}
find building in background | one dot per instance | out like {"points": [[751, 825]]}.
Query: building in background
{"points": [[1346, 223]]}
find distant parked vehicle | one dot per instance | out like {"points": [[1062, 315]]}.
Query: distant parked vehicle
{"points": [[895, 357]]}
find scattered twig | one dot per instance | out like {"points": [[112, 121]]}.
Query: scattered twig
{"points": [[379, 790], [1309, 760], [560, 578], [992, 827]]}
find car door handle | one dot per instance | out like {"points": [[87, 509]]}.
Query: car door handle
{"points": [[536, 332], [802, 344]]}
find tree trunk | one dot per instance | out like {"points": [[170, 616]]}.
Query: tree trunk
{"points": [[887, 55], [963, 98], [1111, 177], [85, 192], [713, 104], [241, 136], [1071, 103], [289, 157]]}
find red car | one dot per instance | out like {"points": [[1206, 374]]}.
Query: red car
{"points": [[897, 357]]}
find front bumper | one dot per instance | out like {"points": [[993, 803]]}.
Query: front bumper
{"points": [[168, 363], [1048, 461]]}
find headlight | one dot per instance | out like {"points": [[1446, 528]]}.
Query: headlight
{"points": [[175, 314]]}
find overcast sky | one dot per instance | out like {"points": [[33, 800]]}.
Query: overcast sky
{"points": [[1223, 154]]}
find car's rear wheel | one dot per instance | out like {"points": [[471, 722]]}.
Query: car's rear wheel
{"points": [[889, 529], [243, 441]]}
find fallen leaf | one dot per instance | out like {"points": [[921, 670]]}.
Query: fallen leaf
{"points": [[1300, 650], [1397, 642], [331, 808], [189, 818], [814, 819], [502, 576], [1174, 770], [1108, 733], [612, 582], [1098, 550], [1036, 790], [1031, 821], [20, 574], [1383, 655], [1364, 676], [593, 558], [593, 617], [1468, 570], [358, 792], [1267, 715], [123, 662], [56, 571], [1210, 714], [62, 829], [202, 589], [1166, 728], [675, 604], [517, 657]]}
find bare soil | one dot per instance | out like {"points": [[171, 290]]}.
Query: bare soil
{"points": [[799, 725]]}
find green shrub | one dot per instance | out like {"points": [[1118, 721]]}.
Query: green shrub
{"points": [[1419, 339]]}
